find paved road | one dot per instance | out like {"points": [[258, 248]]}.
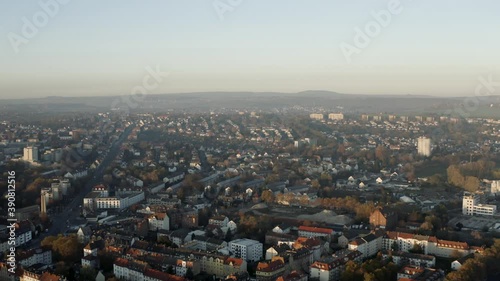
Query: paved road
{"points": [[72, 210]]}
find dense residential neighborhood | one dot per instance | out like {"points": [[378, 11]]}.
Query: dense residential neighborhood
{"points": [[252, 196]]}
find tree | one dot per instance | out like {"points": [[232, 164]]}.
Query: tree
{"points": [[455, 176], [304, 200], [66, 248], [62, 269], [352, 272], [472, 269], [315, 184], [106, 261], [436, 179], [471, 184], [189, 274], [204, 216], [272, 178], [369, 277], [229, 236], [170, 269], [267, 196], [395, 246], [381, 154], [455, 254], [87, 273], [417, 249]]}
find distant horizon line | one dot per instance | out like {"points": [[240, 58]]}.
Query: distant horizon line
{"points": [[248, 92]]}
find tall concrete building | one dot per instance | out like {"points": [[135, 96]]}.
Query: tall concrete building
{"points": [[44, 198], [247, 249], [336, 116], [495, 187], [316, 116], [424, 146], [30, 154], [471, 206]]}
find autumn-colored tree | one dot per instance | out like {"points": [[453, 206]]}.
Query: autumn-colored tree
{"points": [[381, 154], [87, 273], [66, 248], [480, 266], [315, 184], [471, 184], [455, 177], [267, 196]]}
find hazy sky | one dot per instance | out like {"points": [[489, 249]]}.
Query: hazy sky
{"points": [[91, 47]]}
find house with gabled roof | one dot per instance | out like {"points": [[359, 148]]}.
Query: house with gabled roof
{"points": [[384, 218]]}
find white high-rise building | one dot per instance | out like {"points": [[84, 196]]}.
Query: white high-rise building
{"points": [[468, 202], [336, 116], [316, 116], [424, 146], [44, 200], [247, 249], [472, 207], [495, 187], [30, 154]]}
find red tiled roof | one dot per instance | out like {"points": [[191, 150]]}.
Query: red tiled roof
{"points": [[161, 275], [453, 244], [315, 229], [121, 262], [270, 266], [235, 261], [404, 235], [306, 242], [49, 277], [357, 242], [321, 265]]}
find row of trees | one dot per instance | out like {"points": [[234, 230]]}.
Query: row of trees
{"points": [[456, 178], [371, 270], [467, 175], [348, 203], [65, 248], [254, 227], [481, 267]]}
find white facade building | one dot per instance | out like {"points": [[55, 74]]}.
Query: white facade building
{"points": [[94, 201], [159, 221], [336, 116], [36, 256], [424, 146], [368, 245], [30, 154], [247, 249], [316, 116], [472, 207], [495, 187]]}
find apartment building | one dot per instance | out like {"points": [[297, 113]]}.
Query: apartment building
{"points": [[471, 206], [247, 249]]}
